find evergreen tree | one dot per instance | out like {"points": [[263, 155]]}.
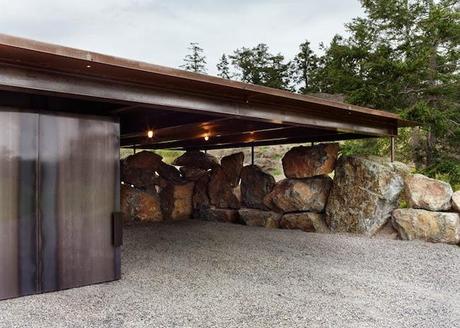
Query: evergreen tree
{"points": [[196, 60], [223, 68], [258, 66], [404, 57], [305, 69]]}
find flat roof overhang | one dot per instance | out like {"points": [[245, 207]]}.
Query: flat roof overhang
{"points": [[180, 107]]}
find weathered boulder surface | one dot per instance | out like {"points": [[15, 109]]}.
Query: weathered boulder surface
{"points": [[139, 205], [232, 165], [196, 159], [306, 221], [140, 178], [145, 160], [176, 201], [219, 215], [304, 162], [426, 193], [255, 185], [192, 173], [260, 218], [170, 173], [297, 195], [220, 191], [364, 194], [437, 227], [456, 201], [200, 199]]}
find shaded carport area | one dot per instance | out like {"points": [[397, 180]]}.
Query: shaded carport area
{"points": [[65, 114]]}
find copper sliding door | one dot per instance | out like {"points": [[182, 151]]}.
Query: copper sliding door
{"points": [[58, 190]]}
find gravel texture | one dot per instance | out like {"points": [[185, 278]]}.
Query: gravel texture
{"points": [[204, 274]]}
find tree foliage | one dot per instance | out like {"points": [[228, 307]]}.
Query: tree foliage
{"points": [[223, 68], [195, 61]]}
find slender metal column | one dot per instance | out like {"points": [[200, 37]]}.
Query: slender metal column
{"points": [[392, 148], [252, 155]]}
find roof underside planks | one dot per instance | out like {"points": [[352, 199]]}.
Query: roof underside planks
{"points": [[182, 107]]}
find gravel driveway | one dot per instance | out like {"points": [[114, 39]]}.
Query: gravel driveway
{"points": [[204, 274]]}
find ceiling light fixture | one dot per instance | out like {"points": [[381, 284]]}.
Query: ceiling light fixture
{"points": [[150, 134]]}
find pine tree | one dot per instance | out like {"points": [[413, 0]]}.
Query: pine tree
{"points": [[403, 56], [258, 66], [223, 67], [305, 69], [196, 60]]}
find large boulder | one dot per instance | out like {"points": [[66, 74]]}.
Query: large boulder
{"points": [[364, 194], [140, 178], [306, 221], [176, 201], [426, 193], [299, 195], [170, 173], [260, 218], [221, 193], [219, 215], [139, 205], [144, 160], [255, 185], [304, 162], [437, 227], [456, 201], [200, 198], [192, 173], [232, 165], [196, 159]]}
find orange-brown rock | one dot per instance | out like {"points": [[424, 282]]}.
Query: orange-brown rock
{"points": [[196, 159], [221, 193], [170, 173], [306, 221], [232, 165], [200, 193], [219, 215], [298, 195], [176, 201], [437, 227], [426, 193], [304, 162], [145, 160], [139, 205], [255, 185], [260, 218], [192, 173]]}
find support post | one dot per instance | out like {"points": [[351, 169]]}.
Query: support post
{"points": [[392, 148], [252, 155], [205, 151], [134, 150]]}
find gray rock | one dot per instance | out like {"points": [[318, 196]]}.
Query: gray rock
{"points": [[192, 173], [260, 218], [456, 201], [304, 162], [364, 194], [299, 195], [255, 185], [306, 221], [437, 227], [426, 193]]}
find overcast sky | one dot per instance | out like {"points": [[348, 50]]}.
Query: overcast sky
{"points": [[159, 31]]}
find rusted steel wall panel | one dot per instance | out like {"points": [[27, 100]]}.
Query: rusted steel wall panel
{"points": [[18, 215], [78, 180]]}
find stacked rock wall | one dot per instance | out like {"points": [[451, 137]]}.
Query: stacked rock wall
{"points": [[363, 196]]}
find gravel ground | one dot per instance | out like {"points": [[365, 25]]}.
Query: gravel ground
{"points": [[203, 274]]}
